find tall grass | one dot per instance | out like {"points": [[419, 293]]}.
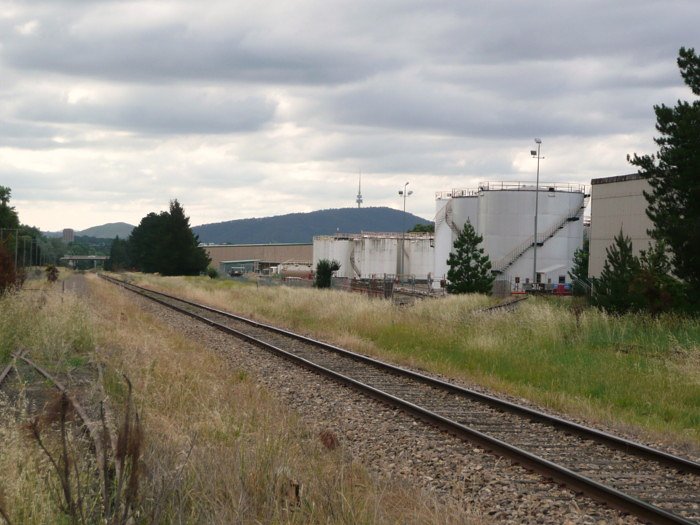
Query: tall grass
{"points": [[222, 450], [217, 448], [630, 370]]}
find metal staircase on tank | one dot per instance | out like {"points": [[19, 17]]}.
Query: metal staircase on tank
{"points": [[507, 261], [445, 214], [352, 260]]}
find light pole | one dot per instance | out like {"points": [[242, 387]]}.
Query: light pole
{"points": [[403, 230], [537, 202]]}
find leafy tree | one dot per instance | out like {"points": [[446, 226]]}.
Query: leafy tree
{"points": [[8, 216], [579, 270], [612, 291], [165, 243], [10, 278], [418, 228], [324, 272], [674, 176], [470, 267]]}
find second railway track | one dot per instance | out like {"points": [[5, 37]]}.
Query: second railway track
{"points": [[650, 484]]}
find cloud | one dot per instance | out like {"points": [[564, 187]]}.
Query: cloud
{"points": [[251, 109]]}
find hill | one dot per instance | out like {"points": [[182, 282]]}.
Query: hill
{"points": [[108, 231], [301, 227]]}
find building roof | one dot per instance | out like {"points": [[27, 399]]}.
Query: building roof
{"points": [[618, 178]]}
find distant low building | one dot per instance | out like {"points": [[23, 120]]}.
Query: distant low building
{"points": [[257, 257], [68, 235], [617, 203]]}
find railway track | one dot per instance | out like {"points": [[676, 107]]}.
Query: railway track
{"points": [[651, 484]]}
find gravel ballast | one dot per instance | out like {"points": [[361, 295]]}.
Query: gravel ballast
{"points": [[395, 445]]}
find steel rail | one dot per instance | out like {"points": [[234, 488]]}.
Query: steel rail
{"points": [[625, 445], [546, 468]]}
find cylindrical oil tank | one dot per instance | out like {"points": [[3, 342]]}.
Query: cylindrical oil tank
{"points": [[334, 248], [506, 217], [451, 214], [295, 269]]}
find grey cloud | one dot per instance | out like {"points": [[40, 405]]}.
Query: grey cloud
{"points": [[180, 51], [161, 111]]}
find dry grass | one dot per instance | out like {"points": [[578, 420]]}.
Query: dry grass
{"points": [[633, 370], [218, 449], [221, 450]]}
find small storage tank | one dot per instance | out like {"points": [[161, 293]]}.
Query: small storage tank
{"points": [[370, 255]]}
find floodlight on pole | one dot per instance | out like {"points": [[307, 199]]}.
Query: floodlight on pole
{"points": [[403, 230], [537, 195]]}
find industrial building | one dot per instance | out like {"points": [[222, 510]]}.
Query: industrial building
{"points": [[503, 213], [617, 203], [257, 257], [370, 255]]}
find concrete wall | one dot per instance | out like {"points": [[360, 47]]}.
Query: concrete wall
{"points": [[617, 203], [272, 253]]}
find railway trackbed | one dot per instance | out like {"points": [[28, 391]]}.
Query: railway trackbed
{"points": [[650, 484]]}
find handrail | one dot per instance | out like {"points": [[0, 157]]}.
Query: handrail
{"points": [[508, 259]]}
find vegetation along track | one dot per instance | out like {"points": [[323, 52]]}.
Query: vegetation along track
{"points": [[650, 484]]}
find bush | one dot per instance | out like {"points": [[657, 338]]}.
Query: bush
{"points": [[212, 272], [324, 272]]}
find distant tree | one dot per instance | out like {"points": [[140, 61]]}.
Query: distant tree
{"points": [[145, 243], [674, 176], [470, 267], [164, 243], [579, 270], [8, 216], [118, 255], [185, 256], [427, 228], [324, 272], [613, 290]]}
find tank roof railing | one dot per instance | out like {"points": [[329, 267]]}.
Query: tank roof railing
{"points": [[569, 187], [377, 235]]}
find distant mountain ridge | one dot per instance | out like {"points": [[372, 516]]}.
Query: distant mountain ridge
{"points": [[301, 227], [103, 231]]}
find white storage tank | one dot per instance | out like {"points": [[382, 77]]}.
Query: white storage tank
{"points": [[453, 209], [505, 215], [370, 255], [333, 248]]}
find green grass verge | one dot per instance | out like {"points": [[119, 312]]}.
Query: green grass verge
{"points": [[632, 369]]}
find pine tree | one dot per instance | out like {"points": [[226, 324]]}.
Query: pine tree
{"points": [[613, 291], [470, 268], [165, 243], [579, 270], [674, 176], [118, 255]]}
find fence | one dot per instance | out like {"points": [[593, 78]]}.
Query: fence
{"points": [[381, 288]]}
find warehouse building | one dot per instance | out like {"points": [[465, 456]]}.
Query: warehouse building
{"points": [[617, 203], [257, 257]]}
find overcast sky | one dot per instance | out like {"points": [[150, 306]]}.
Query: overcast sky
{"points": [[109, 109]]}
